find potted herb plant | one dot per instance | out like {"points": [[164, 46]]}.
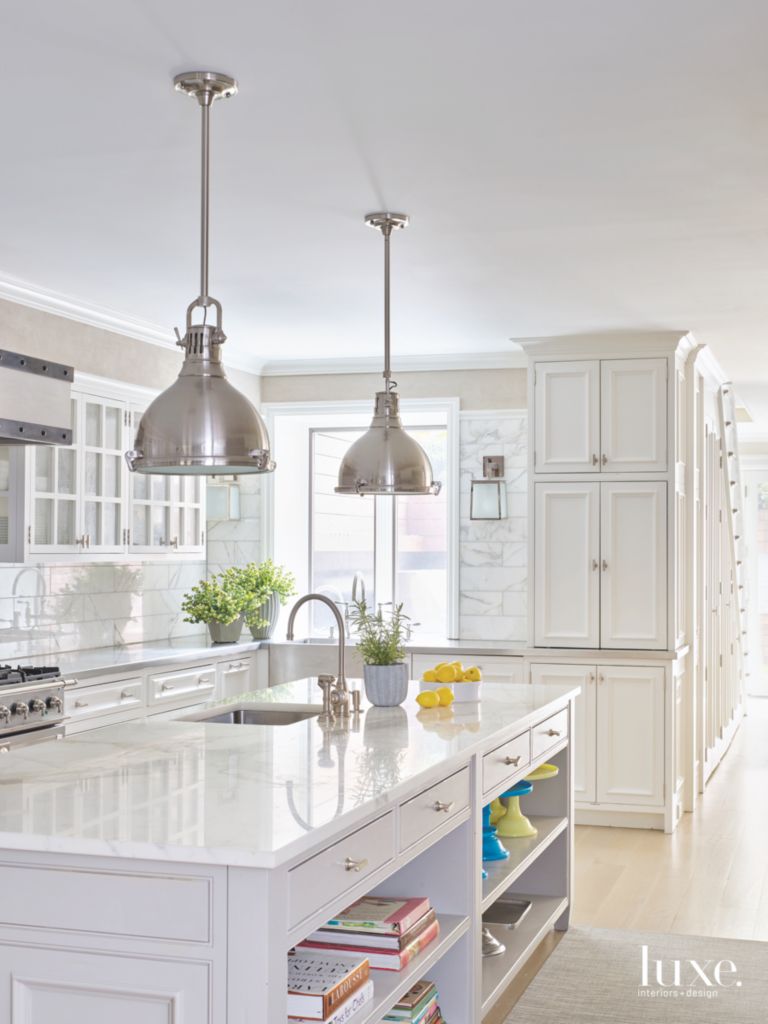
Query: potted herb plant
{"points": [[381, 642], [266, 587], [219, 602]]}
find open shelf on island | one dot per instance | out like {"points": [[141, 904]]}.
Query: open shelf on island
{"points": [[522, 853], [498, 971], [389, 986]]}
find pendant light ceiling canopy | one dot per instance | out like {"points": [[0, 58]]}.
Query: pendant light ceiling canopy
{"points": [[386, 460], [201, 424]]}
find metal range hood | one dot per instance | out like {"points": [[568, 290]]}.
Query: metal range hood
{"points": [[35, 403]]}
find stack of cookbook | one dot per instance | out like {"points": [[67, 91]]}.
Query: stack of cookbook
{"points": [[388, 931], [418, 1006], [327, 989]]}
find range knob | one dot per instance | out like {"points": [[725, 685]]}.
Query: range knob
{"points": [[56, 704], [5, 713], [21, 709], [38, 706]]}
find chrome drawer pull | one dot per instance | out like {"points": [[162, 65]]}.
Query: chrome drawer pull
{"points": [[167, 686], [81, 703], [355, 865], [126, 695], [512, 761], [553, 732], [441, 805]]}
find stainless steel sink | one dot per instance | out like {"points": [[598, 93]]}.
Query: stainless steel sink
{"points": [[252, 714]]}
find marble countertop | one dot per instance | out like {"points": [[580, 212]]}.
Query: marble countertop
{"points": [[243, 795], [101, 660]]}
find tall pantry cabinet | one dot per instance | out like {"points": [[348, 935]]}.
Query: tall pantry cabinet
{"points": [[608, 511]]}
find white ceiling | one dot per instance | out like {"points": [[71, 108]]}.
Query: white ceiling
{"points": [[568, 167]]}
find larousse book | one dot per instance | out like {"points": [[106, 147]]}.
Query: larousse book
{"points": [[346, 1012], [371, 940], [382, 960], [383, 914], [318, 983]]}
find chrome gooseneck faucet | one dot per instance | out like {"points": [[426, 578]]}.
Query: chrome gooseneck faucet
{"points": [[335, 692]]}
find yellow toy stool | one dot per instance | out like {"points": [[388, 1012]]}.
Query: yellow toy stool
{"points": [[514, 824], [498, 810]]}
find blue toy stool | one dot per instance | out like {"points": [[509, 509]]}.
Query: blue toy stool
{"points": [[492, 848]]}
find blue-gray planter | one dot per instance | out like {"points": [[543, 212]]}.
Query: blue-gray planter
{"points": [[226, 632], [386, 685], [270, 611]]}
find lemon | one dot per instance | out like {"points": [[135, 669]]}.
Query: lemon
{"points": [[446, 674], [430, 676], [428, 699], [472, 675], [446, 696], [458, 666]]}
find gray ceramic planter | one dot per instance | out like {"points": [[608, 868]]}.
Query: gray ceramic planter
{"points": [[386, 685], [270, 610], [226, 632]]}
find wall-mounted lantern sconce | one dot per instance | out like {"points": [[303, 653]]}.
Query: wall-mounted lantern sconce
{"points": [[488, 498]]}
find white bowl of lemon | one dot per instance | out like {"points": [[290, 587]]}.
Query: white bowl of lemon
{"points": [[463, 682]]}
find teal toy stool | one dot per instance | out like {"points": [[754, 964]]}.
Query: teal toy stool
{"points": [[492, 848]]}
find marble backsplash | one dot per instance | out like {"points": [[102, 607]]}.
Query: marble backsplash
{"points": [[45, 609], [493, 554], [238, 541]]}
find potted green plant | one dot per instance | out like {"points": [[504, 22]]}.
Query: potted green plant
{"points": [[266, 587], [219, 602], [381, 643]]}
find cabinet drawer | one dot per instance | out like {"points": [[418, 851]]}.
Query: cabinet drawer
{"points": [[548, 733], [505, 762], [432, 808], [328, 875], [189, 684], [104, 699], [234, 677]]}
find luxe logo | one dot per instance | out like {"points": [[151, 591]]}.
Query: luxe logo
{"points": [[684, 978]]}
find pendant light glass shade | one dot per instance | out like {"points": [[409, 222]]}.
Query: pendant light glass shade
{"points": [[202, 424], [386, 459]]}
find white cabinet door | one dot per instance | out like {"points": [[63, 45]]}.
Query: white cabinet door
{"points": [[567, 417], [49, 986], [630, 736], [584, 731], [633, 549], [234, 677], [566, 559], [633, 423]]}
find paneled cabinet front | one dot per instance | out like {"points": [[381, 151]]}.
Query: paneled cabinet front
{"points": [[600, 557], [566, 560], [584, 737], [630, 735], [600, 416]]}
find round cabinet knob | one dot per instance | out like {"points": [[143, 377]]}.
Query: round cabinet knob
{"points": [[38, 706]]}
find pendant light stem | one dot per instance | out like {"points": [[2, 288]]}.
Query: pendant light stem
{"points": [[387, 232], [205, 169]]}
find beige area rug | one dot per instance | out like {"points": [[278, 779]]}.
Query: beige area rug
{"points": [[595, 976]]}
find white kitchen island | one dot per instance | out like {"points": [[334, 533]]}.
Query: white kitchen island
{"points": [[158, 872]]}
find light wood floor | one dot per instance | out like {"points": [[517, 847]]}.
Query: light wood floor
{"points": [[709, 878]]}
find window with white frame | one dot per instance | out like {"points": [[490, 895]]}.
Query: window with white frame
{"points": [[399, 546]]}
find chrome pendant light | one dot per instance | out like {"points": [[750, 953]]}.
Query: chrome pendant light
{"points": [[386, 460], [202, 424]]}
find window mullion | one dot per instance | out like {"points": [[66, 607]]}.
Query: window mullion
{"points": [[384, 554]]}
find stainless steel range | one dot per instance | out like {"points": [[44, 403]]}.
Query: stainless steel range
{"points": [[31, 705]]}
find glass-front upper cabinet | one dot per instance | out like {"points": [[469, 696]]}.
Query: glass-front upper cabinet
{"points": [[104, 470], [54, 519], [11, 505], [166, 511]]}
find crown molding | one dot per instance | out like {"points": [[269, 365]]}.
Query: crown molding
{"points": [[405, 364]]}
